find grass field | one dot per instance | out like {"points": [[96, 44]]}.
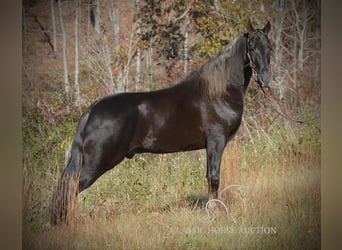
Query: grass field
{"points": [[159, 201]]}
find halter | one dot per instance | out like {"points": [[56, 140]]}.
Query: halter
{"points": [[251, 63], [282, 112]]}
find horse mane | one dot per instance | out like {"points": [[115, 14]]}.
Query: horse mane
{"points": [[215, 73]]}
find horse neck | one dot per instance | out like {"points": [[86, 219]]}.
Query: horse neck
{"points": [[240, 74], [247, 72]]}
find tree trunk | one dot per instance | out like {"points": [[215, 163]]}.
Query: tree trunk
{"points": [[186, 48], [65, 59], [54, 28], [149, 66], [114, 18], [107, 50], [137, 73], [138, 54], [109, 64], [294, 56], [97, 18], [90, 14], [300, 24], [278, 45], [301, 50], [77, 87]]}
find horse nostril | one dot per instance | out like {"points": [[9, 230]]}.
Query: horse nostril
{"points": [[265, 78]]}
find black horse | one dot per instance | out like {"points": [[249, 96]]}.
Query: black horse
{"points": [[202, 111]]}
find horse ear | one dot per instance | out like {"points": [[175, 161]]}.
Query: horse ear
{"points": [[250, 28], [267, 27]]}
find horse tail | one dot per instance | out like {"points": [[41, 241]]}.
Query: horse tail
{"points": [[63, 199]]}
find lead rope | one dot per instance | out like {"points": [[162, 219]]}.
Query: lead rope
{"points": [[283, 113]]}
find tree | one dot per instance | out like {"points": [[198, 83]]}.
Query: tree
{"points": [[65, 59], [54, 31], [100, 31], [278, 30], [138, 52], [77, 86]]}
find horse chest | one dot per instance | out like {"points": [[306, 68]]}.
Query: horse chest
{"points": [[226, 114], [227, 111]]}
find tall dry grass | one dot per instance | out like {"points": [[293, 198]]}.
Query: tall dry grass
{"points": [[158, 202], [289, 205]]}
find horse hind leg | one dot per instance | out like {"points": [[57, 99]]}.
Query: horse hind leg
{"points": [[84, 168], [99, 156], [106, 147], [92, 171]]}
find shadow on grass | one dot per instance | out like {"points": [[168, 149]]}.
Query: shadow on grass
{"points": [[194, 201]]}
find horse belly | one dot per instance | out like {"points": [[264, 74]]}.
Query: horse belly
{"points": [[167, 137], [178, 140]]}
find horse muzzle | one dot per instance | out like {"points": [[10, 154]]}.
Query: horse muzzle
{"points": [[264, 78]]}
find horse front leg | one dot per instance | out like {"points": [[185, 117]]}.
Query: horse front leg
{"points": [[214, 153]]}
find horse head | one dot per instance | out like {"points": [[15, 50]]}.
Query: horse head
{"points": [[259, 52]]}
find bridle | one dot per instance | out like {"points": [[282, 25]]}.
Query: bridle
{"points": [[253, 67], [250, 60], [251, 64]]}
